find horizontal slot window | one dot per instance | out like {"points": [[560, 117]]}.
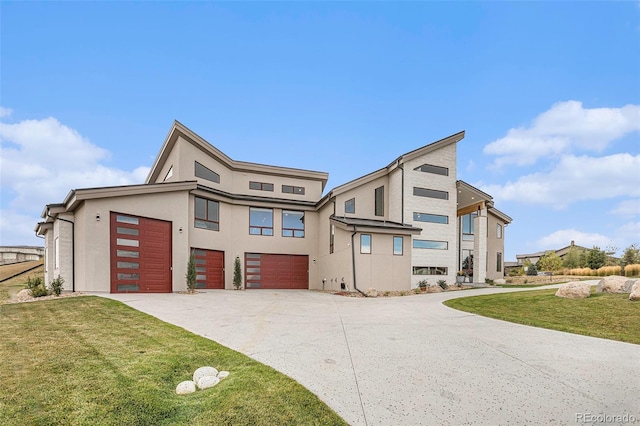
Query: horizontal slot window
{"points": [[198, 252], [201, 285], [431, 218], [430, 244], [430, 270], [436, 170], [128, 265], [253, 256], [261, 186], [201, 269], [127, 253], [290, 189], [206, 173], [128, 287], [253, 263], [253, 277], [127, 219], [128, 231], [253, 270], [430, 193], [200, 261], [127, 242], [201, 277], [126, 276]]}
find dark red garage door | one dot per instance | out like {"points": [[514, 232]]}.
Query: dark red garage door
{"points": [[209, 268], [140, 254], [276, 271]]}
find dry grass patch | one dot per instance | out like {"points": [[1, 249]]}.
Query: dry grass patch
{"points": [[12, 286]]}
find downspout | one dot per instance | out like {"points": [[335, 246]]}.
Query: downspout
{"points": [[73, 250], [401, 167], [353, 259]]}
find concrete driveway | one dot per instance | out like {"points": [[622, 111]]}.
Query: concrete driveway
{"points": [[413, 361]]}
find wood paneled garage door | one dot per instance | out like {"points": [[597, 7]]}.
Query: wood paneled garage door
{"points": [[276, 271], [140, 254], [209, 268]]}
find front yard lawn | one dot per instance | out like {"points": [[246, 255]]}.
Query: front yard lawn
{"points": [[89, 360], [610, 316]]}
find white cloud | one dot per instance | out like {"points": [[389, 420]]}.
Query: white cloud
{"points": [[5, 112], [563, 238], [566, 127], [42, 160], [627, 208], [575, 179]]}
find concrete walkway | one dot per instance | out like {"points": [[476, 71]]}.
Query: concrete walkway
{"points": [[411, 360]]}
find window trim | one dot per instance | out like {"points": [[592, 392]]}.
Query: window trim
{"points": [[370, 243], [197, 219], [261, 228], [293, 230], [350, 202], [395, 238]]}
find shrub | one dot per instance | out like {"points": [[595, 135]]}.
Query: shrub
{"points": [[488, 281], [191, 274], [581, 271], [532, 270], [443, 284], [36, 286], [237, 274], [423, 284], [609, 270], [632, 270], [56, 285]]}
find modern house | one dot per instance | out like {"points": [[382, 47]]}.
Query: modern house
{"points": [[561, 253], [409, 221]]}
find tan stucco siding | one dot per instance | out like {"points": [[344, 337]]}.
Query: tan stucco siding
{"points": [[365, 200], [395, 196], [334, 267], [495, 245], [382, 269]]}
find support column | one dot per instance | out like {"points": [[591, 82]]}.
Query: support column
{"points": [[480, 247]]}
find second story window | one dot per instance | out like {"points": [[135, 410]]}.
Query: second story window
{"points": [[350, 206], [207, 214], [499, 231], [260, 221], [468, 226], [292, 224], [206, 173], [380, 201], [430, 168], [261, 186], [290, 189]]}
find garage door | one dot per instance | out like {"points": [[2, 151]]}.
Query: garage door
{"points": [[276, 271], [209, 268], [140, 254]]}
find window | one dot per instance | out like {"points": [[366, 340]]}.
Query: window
{"points": [[432, 218], [499, 231], [428, 168], [205, 173], [430, 193], [260, 221], [365, 244], [467, 260], [289, 189], [397, 245], [261, 186], [169, 173], [380, 201], [350, 206], [332, 235], [56, 254], [468, 226], [127, 219], [207, 214], [430, 244], [430, 270], [292, 224], [499, 263]]}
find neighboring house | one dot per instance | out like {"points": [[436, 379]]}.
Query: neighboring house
{"points": [[17, 254], [534, 257], [409, 221]]}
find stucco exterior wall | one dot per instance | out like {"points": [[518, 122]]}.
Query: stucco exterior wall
{"points": [[365, 199], [495, 245], [382, 269], [334, 267]]}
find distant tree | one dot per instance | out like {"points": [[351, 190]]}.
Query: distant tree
{"points": [[631, 255], [550, 262], [582, 263], [596, 258], [572, 258], [532, 270]]}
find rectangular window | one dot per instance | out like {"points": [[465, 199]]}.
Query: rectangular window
{"points": [[350, 206], [127, 231], [128, 265], [127, 219], [380, 201], [290, 189], [207, 214], [261, 186], [206, 173], [499, 263], [430, 244], [56, 254], [430, 193], [332, 236], [466, 262], [429, 168], [397, 245], [292, 224], [365, 244], [432, 218], [499, 231], [430, 270], [127, 242], [468, 226], [260, 221], [127, 253]]}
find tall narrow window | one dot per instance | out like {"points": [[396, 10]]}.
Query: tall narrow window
{"points": [[260, 221], [292, 224], [207, 214], [56, 254], [499, 231], [499, 262], [206, 173], [365, 244], [350, 206], [468, 226], [397, 245], [332, 235], [380, 201]]}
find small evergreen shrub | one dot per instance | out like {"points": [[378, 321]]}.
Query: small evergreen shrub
{"points": [[56, 285], [443, 284], [191, 275], [237, 274], [36, 286], [532, 270]]}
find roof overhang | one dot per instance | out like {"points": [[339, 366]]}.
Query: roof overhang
{"points": [[373, 226]]}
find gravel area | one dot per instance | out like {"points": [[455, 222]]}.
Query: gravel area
{"points": [[24, 296]]}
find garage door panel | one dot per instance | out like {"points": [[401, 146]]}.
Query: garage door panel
{"points": [[277, 271], [209, 268]]}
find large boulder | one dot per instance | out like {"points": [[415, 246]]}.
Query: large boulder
{"points": [[574, 290], [628, 285], [612, 284], [635, 291], [204, 372], [207, 382], [186, 387]]}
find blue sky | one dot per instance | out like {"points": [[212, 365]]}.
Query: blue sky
{"points": [[548, 93]]}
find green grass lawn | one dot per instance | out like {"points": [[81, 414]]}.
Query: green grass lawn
{"points": [[89, 360], [610, 316]]}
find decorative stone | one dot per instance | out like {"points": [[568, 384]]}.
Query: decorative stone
{"points": [[500, 281], [186, 387], [611, 284], [434, 289], [207, 382], [635, 291], [204, 372], [628, 285], [574, 290], [372, 292], [222, 374]]}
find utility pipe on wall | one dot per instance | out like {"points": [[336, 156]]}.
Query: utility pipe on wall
{"points": [[73, 250], [353, 259]]}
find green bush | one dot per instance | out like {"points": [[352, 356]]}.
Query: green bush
{"points": [[56, 285], [36, 286], [532, 270], [237, 274], [443, 284], [488, 281], [191, 274]]}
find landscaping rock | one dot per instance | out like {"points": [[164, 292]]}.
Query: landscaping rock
{"points": [[207, 382], [612, 284], [186, 387], [628, 285], [574, 290], [372, 292], [222, 374], [500, 281], [434, 289], [204, 372], [635, 291]]}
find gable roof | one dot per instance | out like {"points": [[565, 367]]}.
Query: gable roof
{"points": [[180, 130]]}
